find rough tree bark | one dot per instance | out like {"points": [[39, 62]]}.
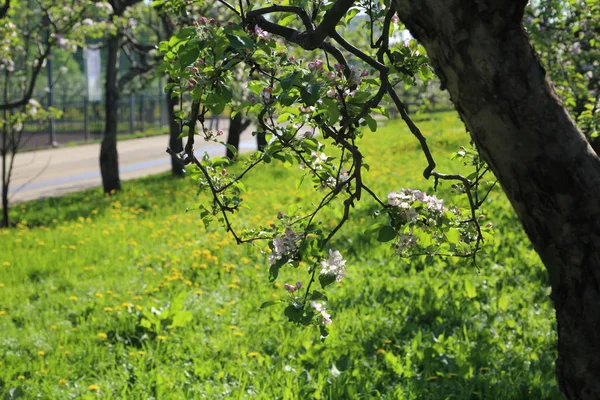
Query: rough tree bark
{"points": [[175, 142], [548, 170], [109, 157]]}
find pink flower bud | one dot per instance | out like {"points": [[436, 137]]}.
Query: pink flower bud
{"points": [[289, 288], [212, 21], [298, 285], [364, 73], [311, 65], [330, 75], [219, 132], [195, 70]]}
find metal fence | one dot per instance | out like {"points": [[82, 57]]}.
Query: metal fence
{"points": [[84, 121]]}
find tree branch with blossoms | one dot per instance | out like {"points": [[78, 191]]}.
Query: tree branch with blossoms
{"points": [[291, 100]]}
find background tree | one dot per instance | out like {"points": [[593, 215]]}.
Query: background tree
{"points": [[121, 39], [29, 32], [565, 34]]}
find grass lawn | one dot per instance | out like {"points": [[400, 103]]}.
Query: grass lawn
{"points": [[81, 273]]}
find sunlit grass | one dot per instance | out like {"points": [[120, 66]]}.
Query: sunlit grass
{"points": [[81, 273]]}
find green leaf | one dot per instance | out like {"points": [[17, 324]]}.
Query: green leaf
{"points": [[503, 302], [288, 81], [371, 123], [470, 289], [189, 54], [294, 314], [326, 280], [373, 228], [269, 303], [453, 236], [333, 113], [316, 295], [386, 233], [181, 319]]}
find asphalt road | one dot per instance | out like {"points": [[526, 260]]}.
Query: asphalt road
{"points": [[54, 172]]}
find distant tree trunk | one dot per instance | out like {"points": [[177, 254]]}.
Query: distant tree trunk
{"points": [[5, 177], [109, 158], [175, 142], [261, 140], [545, 165], [237, 125]]}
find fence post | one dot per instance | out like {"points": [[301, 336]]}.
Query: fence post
{"points": [[131, 113], [86, 119], [141, 112]]}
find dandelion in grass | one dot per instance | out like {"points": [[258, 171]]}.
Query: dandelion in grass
{"points": [[94, 387]]}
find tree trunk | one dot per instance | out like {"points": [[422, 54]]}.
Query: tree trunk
{"points": [[548, 170], [237, 125], [175, 142], [261, 140], [109, 158], [5, 180]]}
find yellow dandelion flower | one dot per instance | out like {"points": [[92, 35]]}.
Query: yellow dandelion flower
{"points": [[67, 352], [1, 284], [254, 354], [44, 371], [52, 327], [41, 353], [6, 264], [198, 292], [94, 387], [141, 353], [102, 335], [73, 298], [62, 382], [232, 326], [108, 309], [2, 312], [99, 294], [387, 341], [161, 337], [237, 333], [380, 351], [61, 347], [21, 377]]}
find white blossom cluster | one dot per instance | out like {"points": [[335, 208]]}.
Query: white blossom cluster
{"points": [[325, 316], [335, 265], [407, 197], [284, 246]]}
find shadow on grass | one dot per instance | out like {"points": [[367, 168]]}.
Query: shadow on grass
{"points": [[93, 203]]}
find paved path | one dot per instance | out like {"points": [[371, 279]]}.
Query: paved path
{"points": [[54, 172]]}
